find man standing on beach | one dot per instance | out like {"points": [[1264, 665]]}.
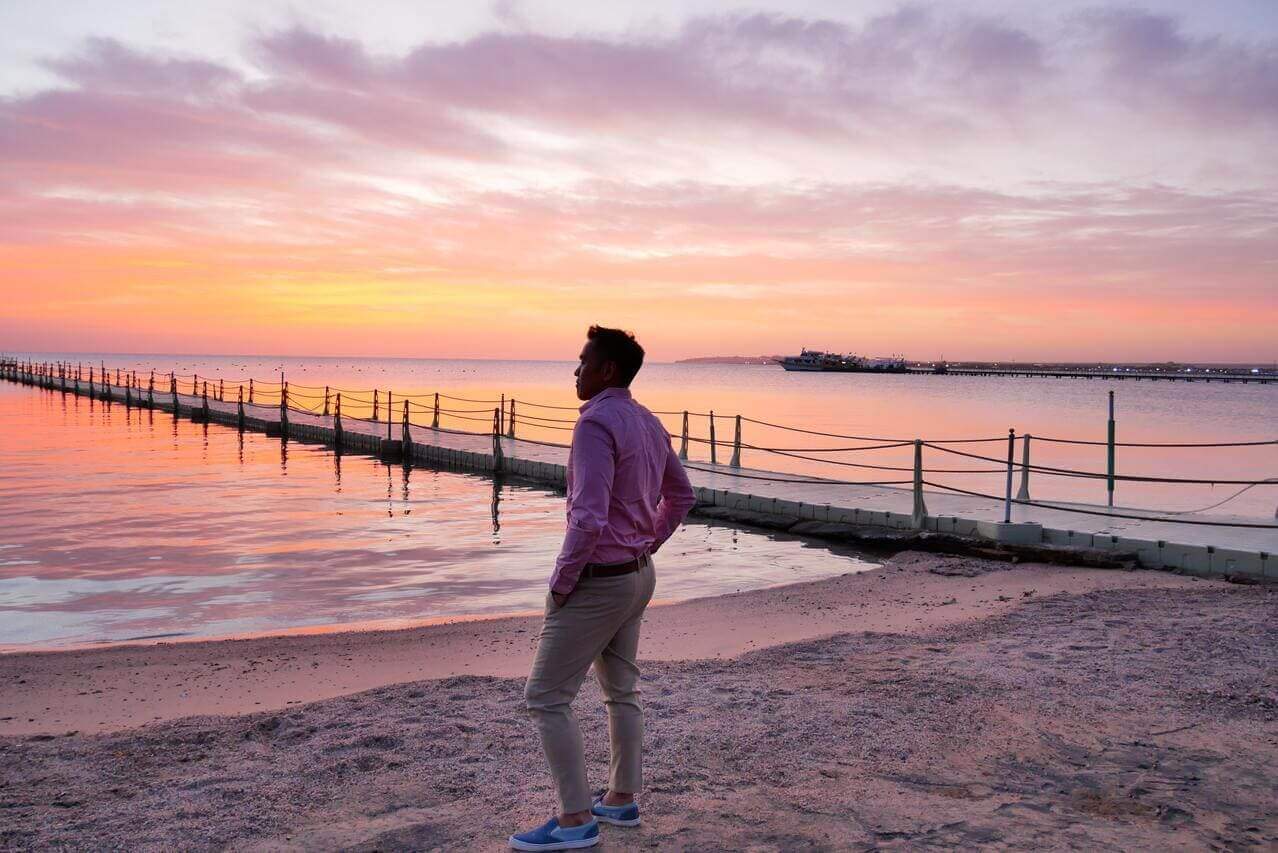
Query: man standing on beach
{"points": [[627, 492]]}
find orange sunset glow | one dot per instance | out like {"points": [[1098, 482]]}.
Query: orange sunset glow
{"points": [[1085, 184]]}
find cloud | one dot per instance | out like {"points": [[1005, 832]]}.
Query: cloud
{"points": [[949, 158]]}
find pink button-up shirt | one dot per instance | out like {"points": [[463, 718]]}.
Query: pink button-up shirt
{"points": [[627, 491]]}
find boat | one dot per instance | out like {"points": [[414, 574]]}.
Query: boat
{"points": [[818, 361]]}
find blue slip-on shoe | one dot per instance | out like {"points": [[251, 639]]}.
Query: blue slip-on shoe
{"points": [[552, 836], [627, 815]]}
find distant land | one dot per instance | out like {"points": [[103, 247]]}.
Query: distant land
{"points": [[731, 359]]}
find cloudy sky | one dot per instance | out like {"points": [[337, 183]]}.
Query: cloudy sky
{"points": [[975, 180]]}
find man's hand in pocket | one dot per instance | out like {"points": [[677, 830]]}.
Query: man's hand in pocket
{"points": [[559, 598]]}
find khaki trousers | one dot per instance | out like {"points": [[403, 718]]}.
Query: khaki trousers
{"points": [[598, 625]]}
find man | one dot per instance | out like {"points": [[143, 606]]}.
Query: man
{"points": [[627, 493]]}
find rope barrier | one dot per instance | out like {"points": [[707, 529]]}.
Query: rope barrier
{"points": [[1094, 475], [1157, 444], [812, 482], [866, 438], [1102, 513]]}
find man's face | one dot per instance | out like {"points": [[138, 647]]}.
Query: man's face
{"points": [[593, 373]]}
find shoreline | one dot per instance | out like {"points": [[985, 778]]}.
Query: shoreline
{"points": [[107, 688], [942, 701]]}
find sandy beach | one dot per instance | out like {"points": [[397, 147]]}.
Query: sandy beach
{"points": [[939, 701]]}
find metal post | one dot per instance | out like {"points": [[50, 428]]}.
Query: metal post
{"points": [[375, 407], [1023, 493], [325, 401], [497, 460], [205, 390], [239, 405], [390, 412], [173, 389], [91, 382], [713, 444], [434, 421], [1011, 456], [919, 517], [683, 439], [195, 384], [221, 392], [501, 422], [510, 423], [337, 424], [250, 399], [1109, 479], [736, 446], [150, 392], [128, 397]]}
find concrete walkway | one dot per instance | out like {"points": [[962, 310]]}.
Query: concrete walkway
{"points": [[1193, 548]]}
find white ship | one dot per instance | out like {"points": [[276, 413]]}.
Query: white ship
{"points": [[817, 361]]}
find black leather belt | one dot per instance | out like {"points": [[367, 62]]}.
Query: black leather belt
{"points": [[611, 570]]}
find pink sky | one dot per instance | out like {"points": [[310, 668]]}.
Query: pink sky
{"points": [[981, 184]]}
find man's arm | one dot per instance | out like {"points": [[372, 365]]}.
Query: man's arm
{"points": [[677, 498], [593, 466]]}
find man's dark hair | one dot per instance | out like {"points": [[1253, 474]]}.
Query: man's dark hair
{"points": [[619, 347]]}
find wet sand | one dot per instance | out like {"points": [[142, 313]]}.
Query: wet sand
{"points": [[939, 701]]}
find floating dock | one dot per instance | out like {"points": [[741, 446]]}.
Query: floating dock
{"points": [[1240, 548]]}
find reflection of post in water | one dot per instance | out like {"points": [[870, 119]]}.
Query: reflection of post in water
{"points": [[284, 455], [204, 447], [495, 506], [390, 492], [241, 447], [407, 506], [337, 471]]}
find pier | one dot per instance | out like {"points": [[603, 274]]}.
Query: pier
{"points": [[1264, 378], [907, 508]]}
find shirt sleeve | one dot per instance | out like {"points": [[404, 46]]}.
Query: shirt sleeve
{"points": [[593, 465], [677, 499]]}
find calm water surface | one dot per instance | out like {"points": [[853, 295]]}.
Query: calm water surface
{"points": [[119, 524]]}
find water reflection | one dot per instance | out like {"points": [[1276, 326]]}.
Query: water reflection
{"points": [[114, 528]]}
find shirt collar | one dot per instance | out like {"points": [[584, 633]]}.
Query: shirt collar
{"points": [[622, 393]]}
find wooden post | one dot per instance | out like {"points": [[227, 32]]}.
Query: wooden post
{"points": [[204, 416], [407, 438], [1011, 457], [250, 399], [375, 410], [919, 517], [173, 388], [501, 424], [325, 401], [128, 396], [390, 412], [497, 461], [736, 446], [337, 424], [434, 421], [510, 423], [221, 392], [284, 409], [1023, 493], [150, 392], [683, 438], [91, 382], [1109, 477], [713, 444], [239, 414]]}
